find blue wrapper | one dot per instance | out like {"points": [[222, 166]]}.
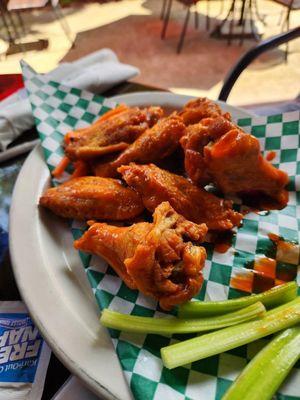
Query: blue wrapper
{"points": [[24, 356]]}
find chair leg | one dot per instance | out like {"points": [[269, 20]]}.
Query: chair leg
{"points": [[6, 25], [217, 32], [166, 19], [63, 23], [183, 32], [252, 24], [12, 23], [258, 15], [287, 28], [163, 9], [207, 15], [21, 22], [243, 26], [231, 24], [196, 19], [16, 34]]}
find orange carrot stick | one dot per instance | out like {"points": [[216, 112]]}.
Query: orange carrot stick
{"points": [[111, 113], [59, 169]]}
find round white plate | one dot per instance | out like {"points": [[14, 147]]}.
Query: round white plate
{"points": [[52, 281]]}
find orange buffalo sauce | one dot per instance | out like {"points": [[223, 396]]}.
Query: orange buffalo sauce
{"points": [[285, 246], [254, 282], [266, 266], [222, 241], [222, 247], [270, 156], [264, 273], [243, 282], [275, 238]]}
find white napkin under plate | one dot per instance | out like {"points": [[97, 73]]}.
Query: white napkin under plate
{"points": [[96, 73]]}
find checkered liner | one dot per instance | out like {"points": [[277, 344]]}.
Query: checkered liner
{"points": [[58, 109]]}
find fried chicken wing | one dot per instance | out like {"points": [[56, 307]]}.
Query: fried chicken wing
{"points": [[217, 151], [115, 244], [92, 197], [111, 134], [196, 138], [154, 144], [156, 185], [195, 110], [156, 258]]}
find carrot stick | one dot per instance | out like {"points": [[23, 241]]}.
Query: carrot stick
{"points": [[112, 113], [59, 169]]}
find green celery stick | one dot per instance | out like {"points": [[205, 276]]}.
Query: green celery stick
{"points": [[225, 339], [264, 374], [132, 323], [271, 298]]}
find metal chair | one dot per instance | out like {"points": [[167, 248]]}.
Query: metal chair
{"points": [[11, 27], [251, 55], [21, 5], [237, 15], [290, 5], [165, 15]]}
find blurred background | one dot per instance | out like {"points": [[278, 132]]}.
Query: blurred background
{"points": [[43, 35]]}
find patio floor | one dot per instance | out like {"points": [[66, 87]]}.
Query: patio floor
{"points": [[132, 29]]}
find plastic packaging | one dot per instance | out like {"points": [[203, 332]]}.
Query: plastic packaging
{"points": [[24, 356]]}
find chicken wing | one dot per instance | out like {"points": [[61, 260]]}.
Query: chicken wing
{"points": [[92, 197], [156, 185], [111, 134], [156, 258], [217, 151], [154, 144], [195, 110], [196, 138]]}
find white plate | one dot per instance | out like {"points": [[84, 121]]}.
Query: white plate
{"points": [[52, 281]]}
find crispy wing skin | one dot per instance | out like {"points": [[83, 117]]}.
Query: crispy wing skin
{"points": [[92, 197], [154, 144], [156, 185], [115, 244], [196, 138], [112, 134], [237, 167], [195, 110], [156, 258], [217, 151]]}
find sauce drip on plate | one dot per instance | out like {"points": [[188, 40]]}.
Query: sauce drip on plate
{"points": [[223, 241], [264, 272], [270, 156]]}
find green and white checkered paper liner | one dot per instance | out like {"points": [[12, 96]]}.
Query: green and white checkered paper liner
{"points": [[58, 109]]}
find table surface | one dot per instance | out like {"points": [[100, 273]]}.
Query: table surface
{"points": [[57, 374]]}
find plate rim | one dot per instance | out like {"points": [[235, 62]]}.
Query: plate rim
{"points": [[62, 355], [17, 262]]}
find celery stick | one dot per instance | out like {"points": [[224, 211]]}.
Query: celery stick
{"points": [[225, 339], [271, 298], [132, 323], [268, 369]]}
